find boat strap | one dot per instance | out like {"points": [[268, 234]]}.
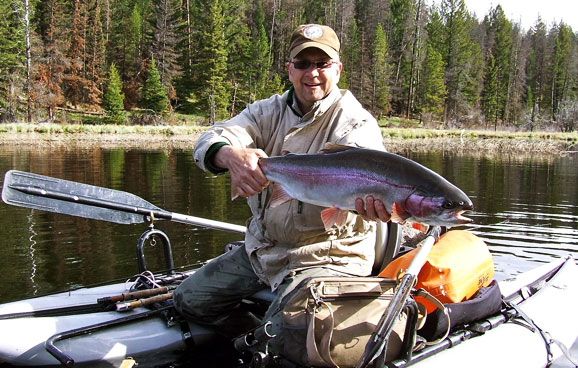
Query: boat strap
{"points": [[548, 340]]}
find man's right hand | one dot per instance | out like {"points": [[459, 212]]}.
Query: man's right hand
{"points": [[247, 178]]}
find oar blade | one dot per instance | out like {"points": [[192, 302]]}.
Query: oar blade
{"points": [[54, 195]]}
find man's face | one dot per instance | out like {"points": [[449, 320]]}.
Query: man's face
{"points": [[312, 84]]}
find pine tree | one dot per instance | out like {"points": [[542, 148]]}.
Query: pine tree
{"points": [[456, 53], [12, 61], [560, 67], [537, 67], [434, 90], [502, 54], [381, 73], [210, 90], [154, 95], [491, 93], [113, 101]]}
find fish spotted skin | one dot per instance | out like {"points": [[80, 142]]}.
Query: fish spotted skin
{"points": [[335, 179]]}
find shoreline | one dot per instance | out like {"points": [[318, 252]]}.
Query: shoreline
{"points": [[396, 140]]}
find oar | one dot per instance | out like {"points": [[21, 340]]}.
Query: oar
{"points": [[71, 198], [377, 342]]}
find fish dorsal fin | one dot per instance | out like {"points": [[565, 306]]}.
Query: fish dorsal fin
{"points": [[333, 148], [332, 216], [279, 195]]}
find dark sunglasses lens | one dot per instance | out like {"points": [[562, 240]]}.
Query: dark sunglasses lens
{"points": [[302, 65]]}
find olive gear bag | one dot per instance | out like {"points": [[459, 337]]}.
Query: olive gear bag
{"points": [[328, 321]]}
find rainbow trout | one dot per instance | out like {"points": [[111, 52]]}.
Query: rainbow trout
{"points": [[336, 177]]}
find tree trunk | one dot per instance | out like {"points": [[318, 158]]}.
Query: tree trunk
{"points": [[28, 92]]}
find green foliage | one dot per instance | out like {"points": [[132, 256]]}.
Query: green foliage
{"points": [[213, 57], [434, 90], [12, 56], [154, 95], [490, 96], [381, 73], [113, 101], [210, 68], [561, 59]]}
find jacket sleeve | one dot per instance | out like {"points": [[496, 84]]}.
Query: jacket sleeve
{"points": [[244, 130], [361, 129]]}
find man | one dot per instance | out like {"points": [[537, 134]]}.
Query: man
{"points": [[286, 244]]}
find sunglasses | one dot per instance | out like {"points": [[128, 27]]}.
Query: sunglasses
{"points": [[306, 64]]}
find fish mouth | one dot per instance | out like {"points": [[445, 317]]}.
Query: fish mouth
{"points": [[462, 219]]}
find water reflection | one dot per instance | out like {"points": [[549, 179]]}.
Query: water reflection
{"points": [[526, 210]]}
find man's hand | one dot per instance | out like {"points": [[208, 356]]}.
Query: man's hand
{"points": [[371, 210], [247, 178]]}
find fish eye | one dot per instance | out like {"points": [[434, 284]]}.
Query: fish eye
{"points": [[448, 204]]}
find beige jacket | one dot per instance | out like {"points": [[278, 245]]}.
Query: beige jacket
{"points": [[291, 236]]}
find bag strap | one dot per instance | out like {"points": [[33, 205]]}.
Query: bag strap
{"points": [[320, 356], [427, 296]]}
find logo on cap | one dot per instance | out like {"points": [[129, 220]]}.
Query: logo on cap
{"points": [[313, 32]]}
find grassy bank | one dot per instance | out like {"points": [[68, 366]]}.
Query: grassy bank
{"points": [[184, 137]]}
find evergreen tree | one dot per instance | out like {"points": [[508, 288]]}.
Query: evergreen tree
{"points": [[210, 91], [154, 95], [491, 93], [537, 67], [502, 54], [434, 89], [560, 67], [12, 58], [400, 20], [113, 101], [381, 73], [456, 53]]}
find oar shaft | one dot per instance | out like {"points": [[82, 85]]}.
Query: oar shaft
{"points": [[191, 220]]}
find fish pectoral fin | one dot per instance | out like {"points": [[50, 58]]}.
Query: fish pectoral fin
{"points": [[332, 216], [399, 215], [234, 193], [279, 196], [421, 227]]}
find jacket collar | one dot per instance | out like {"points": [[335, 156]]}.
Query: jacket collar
{"points": [[319, 107]]}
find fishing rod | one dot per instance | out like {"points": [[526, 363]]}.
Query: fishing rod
{"points": [[378, 341], [45, 193]]}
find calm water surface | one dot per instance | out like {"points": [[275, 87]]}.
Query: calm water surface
{"points": [[526, 211]]}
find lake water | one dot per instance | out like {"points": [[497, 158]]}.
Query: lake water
{"points": [[526, 211]]}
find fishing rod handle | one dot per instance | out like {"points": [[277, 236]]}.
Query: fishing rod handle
{"points": [[121, 307], [134, 295]]}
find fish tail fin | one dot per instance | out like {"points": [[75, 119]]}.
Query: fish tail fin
{"points": [[398, 214], [279, 196], [332, 216]]}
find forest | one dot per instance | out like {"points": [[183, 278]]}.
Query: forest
{"points": [[142, 61]]}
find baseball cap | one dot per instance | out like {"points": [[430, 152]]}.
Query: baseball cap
{"points": [[314, 35]]}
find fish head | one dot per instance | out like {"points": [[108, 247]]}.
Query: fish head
{"points": [[446, 210]]}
